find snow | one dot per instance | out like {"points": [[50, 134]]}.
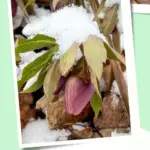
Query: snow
{"points": [[110, 3], [116, 134], [27, 58], [67, 25], [37, 132], [101, 15], [31, 81], [115, 88], [18, 70]]}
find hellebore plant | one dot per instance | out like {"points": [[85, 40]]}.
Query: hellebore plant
{"points": [[79, 82]]}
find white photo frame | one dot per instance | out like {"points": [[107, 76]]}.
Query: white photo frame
{"points": [[131, 78], [141, 8]]}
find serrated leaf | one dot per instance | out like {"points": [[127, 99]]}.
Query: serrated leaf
{"points": [[96, 103], [95, 54], [110, 20], [113, 54], [37, 42], [30, 2], [67, 60], [51, 80], [31, 69]]}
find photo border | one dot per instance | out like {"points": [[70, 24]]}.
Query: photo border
{"points": [[141, 8], [131, 79]]}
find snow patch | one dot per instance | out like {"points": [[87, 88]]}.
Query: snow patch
{"points": [[37, 132]]}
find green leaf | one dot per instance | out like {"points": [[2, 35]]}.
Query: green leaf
{"points": [[35, 66], [95, 54], [30, 2], [36, 85], [51, 80], [113, 54], [96, 103], [110, 20], [37, 42], [68, 59]]}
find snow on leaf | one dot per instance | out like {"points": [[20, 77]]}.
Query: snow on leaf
{"points": [[32, 86], [67, 25], [77, 95], [68, 59], [35, 66], [39, 41], [95, 54]]}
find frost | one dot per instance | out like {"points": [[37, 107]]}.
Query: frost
{"points": [[37, 132], [67, 25]]}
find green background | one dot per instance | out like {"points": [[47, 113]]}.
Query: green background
{"points": [[8, 120]]}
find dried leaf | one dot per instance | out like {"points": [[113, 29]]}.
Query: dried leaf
{"points": [[68, 59], [77, 95], [95, 54], [51, 80], [110, 20]]}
